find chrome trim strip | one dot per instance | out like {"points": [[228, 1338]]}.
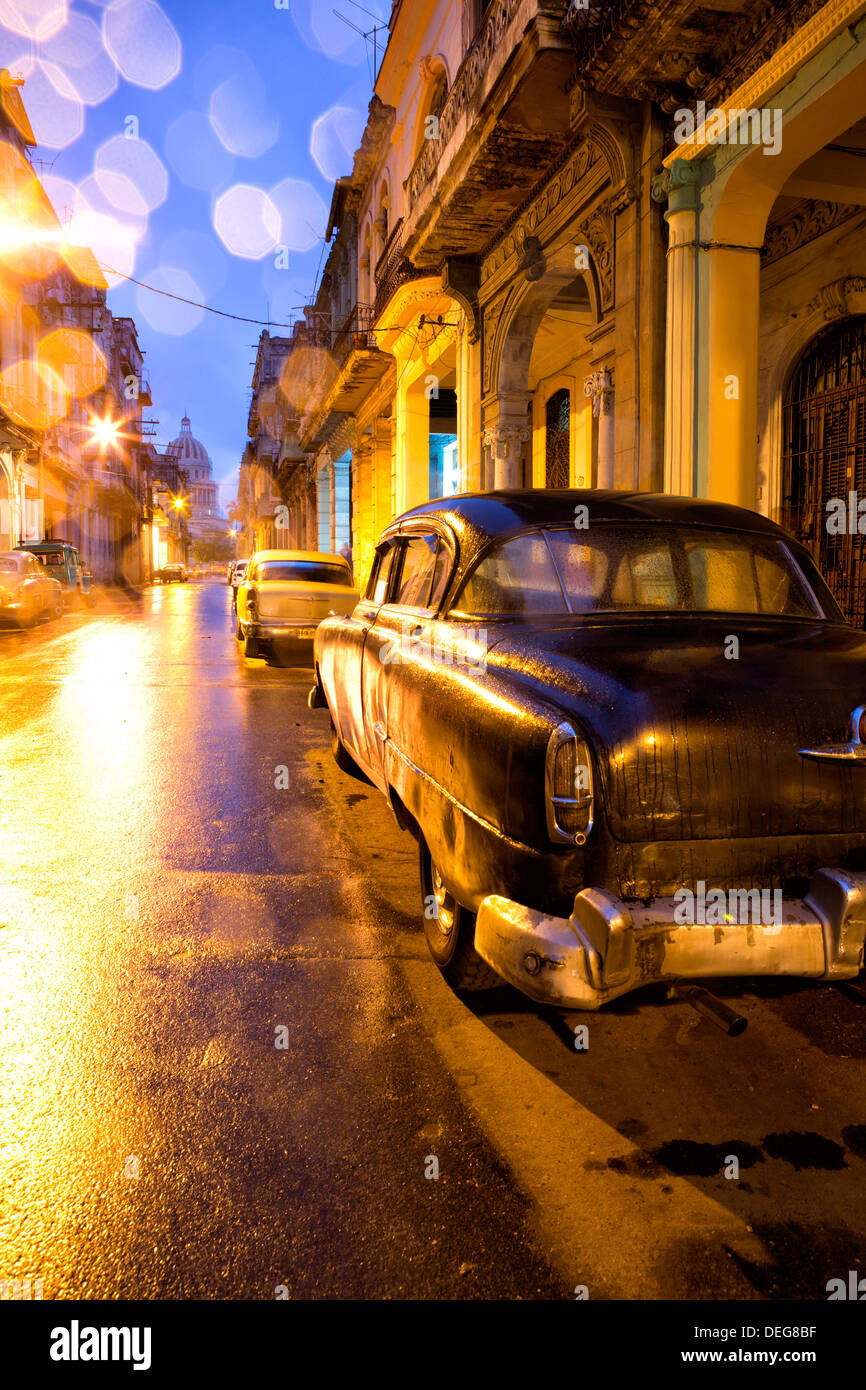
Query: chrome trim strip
{"points": [[479, 820], [851, 752]]}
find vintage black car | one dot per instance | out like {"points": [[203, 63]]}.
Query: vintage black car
{"points": [[626, 730]]}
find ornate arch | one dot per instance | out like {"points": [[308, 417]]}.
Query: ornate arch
{"points": [[836, 300], [511, 321], [435, 86]]}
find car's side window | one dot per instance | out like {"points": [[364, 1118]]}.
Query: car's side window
{"points": [[383, 575], [441, 575], [374, 574], [416, 571], [515, 577]]}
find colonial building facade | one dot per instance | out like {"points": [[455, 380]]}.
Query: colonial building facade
{"points": [[66, 363], [587, 246]]}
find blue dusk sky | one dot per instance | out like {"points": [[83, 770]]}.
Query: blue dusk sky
{"points": [[245, 111]]}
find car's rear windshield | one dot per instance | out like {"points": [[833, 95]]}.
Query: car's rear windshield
{"points": [[10, 564], [607, 568], [304, 571]]}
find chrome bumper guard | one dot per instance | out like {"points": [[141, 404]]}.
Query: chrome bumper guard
{"points": [[608, 947]]}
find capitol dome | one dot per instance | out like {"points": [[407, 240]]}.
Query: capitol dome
{"points": [[186, 448], [193, 458]]}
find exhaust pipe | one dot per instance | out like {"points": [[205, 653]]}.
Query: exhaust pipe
{"points": [[708, 1006]]}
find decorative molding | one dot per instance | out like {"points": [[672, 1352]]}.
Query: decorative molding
{"points": [[587, 154], [597, 232], [476, 66], [806, 223], [771, 27], [834, 300], [779, 67]]}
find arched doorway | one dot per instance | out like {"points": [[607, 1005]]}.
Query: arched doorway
{"points": [[825, 456], [557, 439]]}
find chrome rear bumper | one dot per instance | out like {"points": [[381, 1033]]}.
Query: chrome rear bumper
{"points": [[608, 947]]}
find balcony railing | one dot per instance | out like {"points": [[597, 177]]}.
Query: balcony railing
{"points": [[354, 332], [475, 67], [392, 269]]}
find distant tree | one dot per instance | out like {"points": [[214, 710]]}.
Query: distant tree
{"points": [[215, 549]]}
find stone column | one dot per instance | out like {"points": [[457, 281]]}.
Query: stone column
{"points": [[506, 430], [732, 385], [680, 187], [505, 448], [599, 387], [362, 511]]}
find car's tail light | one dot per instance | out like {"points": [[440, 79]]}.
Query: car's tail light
{"points": [[568, 787], [859, 722]]}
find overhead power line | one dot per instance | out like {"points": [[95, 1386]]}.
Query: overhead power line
{"points": [[262, 323]]}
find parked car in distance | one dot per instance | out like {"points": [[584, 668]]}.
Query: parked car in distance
{"points": [[628, 732], [27, 591], [239, 569], [285, 594], [230, 570], [172, 574], [63, 563]]}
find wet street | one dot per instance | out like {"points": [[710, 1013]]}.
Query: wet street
{"points": [[230, 1069]]}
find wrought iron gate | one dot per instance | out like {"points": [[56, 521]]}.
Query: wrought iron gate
{"points": [[557, 420], [825, 457]]}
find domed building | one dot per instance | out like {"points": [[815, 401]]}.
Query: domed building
{"points": [[190, 454]]}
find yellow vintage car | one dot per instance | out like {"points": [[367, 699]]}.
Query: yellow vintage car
{"points": [[285, 594]]}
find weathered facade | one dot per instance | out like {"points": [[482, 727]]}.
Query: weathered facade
{"points": [[65, 361], [602, 247]]}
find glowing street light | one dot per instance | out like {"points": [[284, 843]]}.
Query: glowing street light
{"points": [[106, 433]]}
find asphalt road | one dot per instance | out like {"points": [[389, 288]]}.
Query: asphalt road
{"points": [[231, 1070]]}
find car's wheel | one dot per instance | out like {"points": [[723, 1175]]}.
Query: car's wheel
{"points": [[240, 632], [342, 757], [28, 617], [251, 645], [450, 931]]}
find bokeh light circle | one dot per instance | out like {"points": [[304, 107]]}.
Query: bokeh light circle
{"points": [[142, 42], [246, 221], [134, 160], [335, 136], [78, 50], [167, 315], [34, 19], [303, 214]]}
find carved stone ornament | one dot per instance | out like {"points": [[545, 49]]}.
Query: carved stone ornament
{"points": [[506, 441], [806, 223], [599, 385], [834, 300], [532, 262], [596, 232]]}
